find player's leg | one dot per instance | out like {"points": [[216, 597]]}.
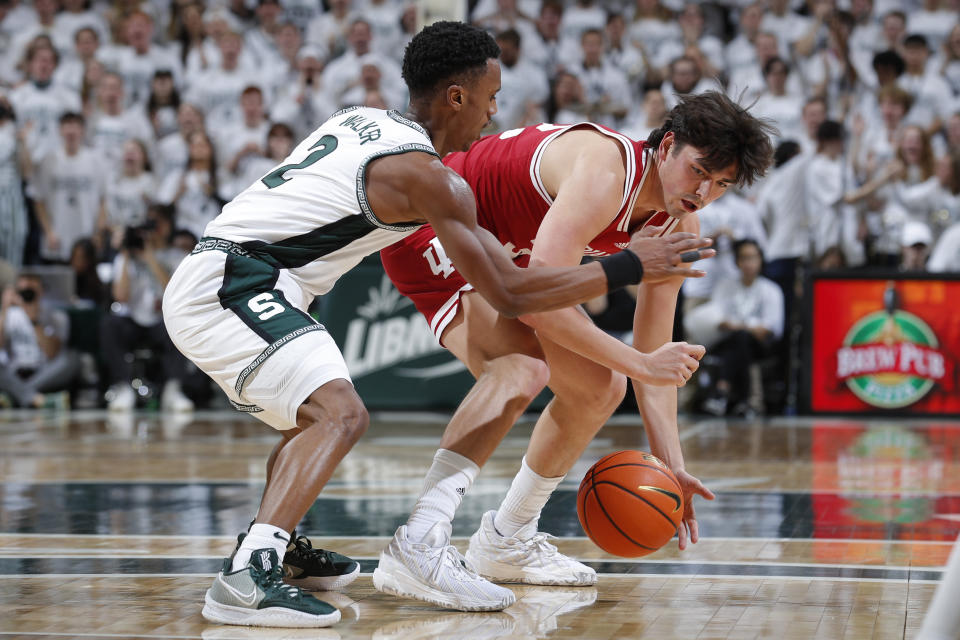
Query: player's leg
{"points": [[505, 357], [507, 546], [218, 315], [304, 565]]}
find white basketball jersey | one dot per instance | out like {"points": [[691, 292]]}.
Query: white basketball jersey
{"points": [[310, 214]]}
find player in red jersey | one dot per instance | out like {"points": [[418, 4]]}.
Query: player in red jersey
{"points": [[552, 195]]}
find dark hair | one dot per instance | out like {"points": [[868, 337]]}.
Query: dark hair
{"points": [[830, 131], [591, 31], [916, 40], [511, 36], [722, 131], [165, 211], [153, 102], [786, 150], [446, 51], [768, 65], [745, 242], [280, 129], [891, 60], [76, 34], [6, 111], [72, 116]]}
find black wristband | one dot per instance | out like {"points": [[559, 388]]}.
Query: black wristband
{"points": [[622, 269]]}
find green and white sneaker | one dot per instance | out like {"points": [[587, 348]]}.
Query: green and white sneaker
{"points": [[316, 569], [256, 596]]}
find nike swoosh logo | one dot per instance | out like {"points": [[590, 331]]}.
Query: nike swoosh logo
{"points": [[246, 598]]}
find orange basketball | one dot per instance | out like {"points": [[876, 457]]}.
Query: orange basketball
{"points": [[630, 504]]}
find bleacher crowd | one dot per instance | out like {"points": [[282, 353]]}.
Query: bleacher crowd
{"points": [[125, 125]]}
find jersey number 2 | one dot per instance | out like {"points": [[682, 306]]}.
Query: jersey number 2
{"points": [[324, 147]]}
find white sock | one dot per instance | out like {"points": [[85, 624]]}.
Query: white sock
{"points": [[449, 477], [260, 536], [520, 510]]}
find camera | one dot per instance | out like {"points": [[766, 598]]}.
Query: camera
{"points": [[27, 295], [133, 236]]}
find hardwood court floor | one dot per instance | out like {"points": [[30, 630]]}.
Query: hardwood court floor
{"points": [[113, 527]]}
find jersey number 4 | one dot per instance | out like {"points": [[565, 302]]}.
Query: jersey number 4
{"points": [[438, 260], [323, 147]]}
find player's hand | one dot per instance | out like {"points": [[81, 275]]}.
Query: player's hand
{"points": [[688, 530], [669, 256], [672, 364]]}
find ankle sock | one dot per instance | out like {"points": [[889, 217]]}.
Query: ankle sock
{"points": [[449, 478], [520, 510], [260, 536]]}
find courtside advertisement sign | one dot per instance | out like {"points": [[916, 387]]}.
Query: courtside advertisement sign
{"points": [[885, 345]]}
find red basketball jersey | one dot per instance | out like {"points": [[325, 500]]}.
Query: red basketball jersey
{"points": [[504, 172]]}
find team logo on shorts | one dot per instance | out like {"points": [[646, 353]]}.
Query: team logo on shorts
{"points": [[891, 359]]}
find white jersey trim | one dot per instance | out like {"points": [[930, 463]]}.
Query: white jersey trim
{"points": [[624, 225], [541, 148], [362, 185]]}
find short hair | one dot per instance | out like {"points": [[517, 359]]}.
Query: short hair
{"points": [[446, 51], [745, 242], [76, 34], [167, 212], [916, 40], [815, 100], [786, 151], [768, 65], [899, 15], [592, 31], [511, 36], [280, 129], [72, 116], [890, 59], [830, 131], [722, 131], [896, 94], [251, 88]]}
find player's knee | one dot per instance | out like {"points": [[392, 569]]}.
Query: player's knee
{"points": [[599, 397], [525, 376], [353, 420], [337, 406]]}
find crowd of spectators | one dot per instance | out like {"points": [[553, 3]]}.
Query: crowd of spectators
{"points": [[122, 118]]}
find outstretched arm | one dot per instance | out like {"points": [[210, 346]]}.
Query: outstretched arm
{"points": [[415, 186], [652, 327]]}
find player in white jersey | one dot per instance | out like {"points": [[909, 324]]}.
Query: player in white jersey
{"points": [[358, 183]]}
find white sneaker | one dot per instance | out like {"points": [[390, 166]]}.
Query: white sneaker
{"points": [[531, 561], [172, 398], [123, 398], [433, 571]]}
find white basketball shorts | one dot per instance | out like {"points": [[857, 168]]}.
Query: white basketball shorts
{"points": [[245, 324]]}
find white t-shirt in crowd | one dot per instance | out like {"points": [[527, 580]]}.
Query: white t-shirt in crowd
{"points": [[72, 189]]}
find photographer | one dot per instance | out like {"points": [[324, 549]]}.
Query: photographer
{"points": [[33, 338], [141, 271]]}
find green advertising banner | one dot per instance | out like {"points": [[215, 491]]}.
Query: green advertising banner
{"points": [[394, 359]]}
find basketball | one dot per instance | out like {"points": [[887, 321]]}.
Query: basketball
{"points": [[630, 503]]}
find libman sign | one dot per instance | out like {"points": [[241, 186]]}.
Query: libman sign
{"points": [[891, 360], [884, 345], [394, 360]]}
